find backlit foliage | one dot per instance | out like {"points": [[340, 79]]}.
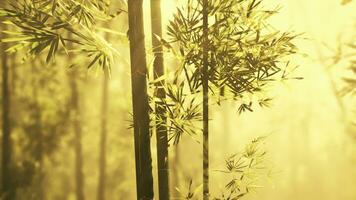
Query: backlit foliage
{"points": [[245, 172], [48, 26], [245, 51]]}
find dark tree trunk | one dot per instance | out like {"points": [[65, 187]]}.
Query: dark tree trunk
{"points": [[79, 177], [161, 130], [205, 83], [8, 189], [102, 159], [144, 178], [37, 117]]}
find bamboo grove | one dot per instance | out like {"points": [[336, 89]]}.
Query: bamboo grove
{"points": [[223, 51]]}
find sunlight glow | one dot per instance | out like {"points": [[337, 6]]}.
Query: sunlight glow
{"points": [[168, 9]]}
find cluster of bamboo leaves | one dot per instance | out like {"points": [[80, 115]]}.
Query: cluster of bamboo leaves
{"points": [[243, 170], [183, 111], [49, 25], [245, 51]]}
